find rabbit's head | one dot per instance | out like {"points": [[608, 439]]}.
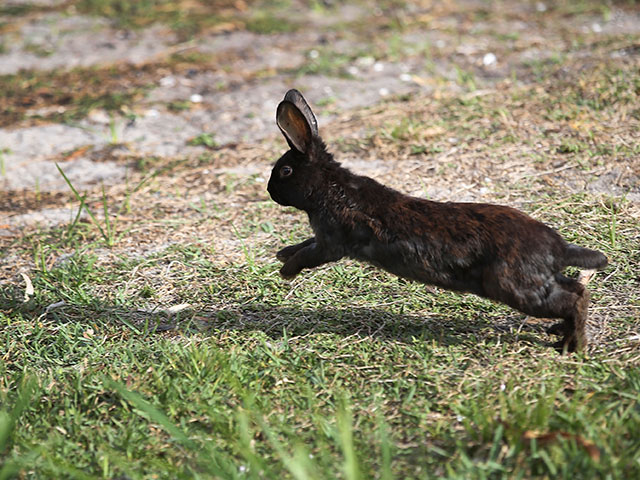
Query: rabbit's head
{"points": [[297, 174]]}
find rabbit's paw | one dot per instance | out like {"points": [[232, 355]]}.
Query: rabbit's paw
{"points": [[289, 271], [568, 345], [286, 253]]}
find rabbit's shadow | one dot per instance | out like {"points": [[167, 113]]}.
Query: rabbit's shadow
{"points": [[278, 321], [376, 323]]}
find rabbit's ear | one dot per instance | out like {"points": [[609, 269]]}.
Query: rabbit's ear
{"points": [[296, 121], [295, 97]]}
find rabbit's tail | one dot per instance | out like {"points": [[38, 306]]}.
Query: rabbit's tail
{"points": [[584, 257]]}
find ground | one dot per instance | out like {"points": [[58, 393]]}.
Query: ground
{"points": [[146, 332]]}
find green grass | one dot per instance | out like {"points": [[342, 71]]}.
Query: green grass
{"points": [[346, 373], [188, 18], [19, 10], [75, 92], [185, 18], [265, 22], [163, 344], [205, 139], [325, 61]]}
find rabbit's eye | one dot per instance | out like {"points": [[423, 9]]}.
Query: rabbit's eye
{"points": [[286, 171]]}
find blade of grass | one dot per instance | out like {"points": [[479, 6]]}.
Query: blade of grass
{"points": [[73, 224], [345, 433], [298, 465], [206, 458], [8, 422], [105, 209], [258, 467], [79, 198], [385, 447], [152, 413]]}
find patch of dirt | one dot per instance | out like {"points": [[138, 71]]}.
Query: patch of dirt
{"points": [[42, 175], [23, 200], [55, 41], [154, 97], [44, 218]]}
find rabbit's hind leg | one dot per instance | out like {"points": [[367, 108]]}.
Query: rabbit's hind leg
{"points": [[568, 299], [583, 278]]}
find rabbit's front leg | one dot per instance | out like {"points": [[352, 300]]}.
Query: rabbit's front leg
{"points": [[287, 252], [309, 256]]}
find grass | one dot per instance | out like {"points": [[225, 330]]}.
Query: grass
{"points": [[180, 353], [265, 22], [325, 61], [205, 139], [158, 341], [189, 18], [185, 18], [348, 372], [68, 95]]}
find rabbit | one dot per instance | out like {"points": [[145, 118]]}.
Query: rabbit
{"points": [[492, 251]]}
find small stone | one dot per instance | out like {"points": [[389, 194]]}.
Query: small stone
{"points": [[489, 59], [196, 98], [168, 81], [353, 70], [99, 116], [365, 61]]}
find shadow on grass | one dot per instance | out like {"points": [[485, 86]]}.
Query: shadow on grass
{"points": [[277, 321], [360, 321]]}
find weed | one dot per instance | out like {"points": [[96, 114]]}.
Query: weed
{"points": [[324, 61], [3, 167], [405, 129], [38, 50], [185, 18], [466, 79], [179, 106], [113, 131], [266, 23], [568, 146], [204, 139], [18, 10], [76, 92], [107, 232]]}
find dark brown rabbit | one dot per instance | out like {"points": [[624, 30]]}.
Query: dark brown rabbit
{"points": [[490, 250]]}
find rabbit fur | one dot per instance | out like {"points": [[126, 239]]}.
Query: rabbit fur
{"points": [[492, 251]]}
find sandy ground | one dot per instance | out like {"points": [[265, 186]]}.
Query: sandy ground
{"points": [[232, 95]]}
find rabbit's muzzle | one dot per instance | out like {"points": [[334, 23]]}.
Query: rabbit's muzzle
{"points": [[273, 192]]}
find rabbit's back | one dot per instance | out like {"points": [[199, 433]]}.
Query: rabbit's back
{"points": [[462, 246]]}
